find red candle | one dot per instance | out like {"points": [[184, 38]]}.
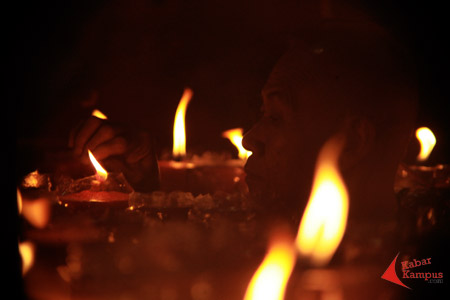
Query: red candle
{"points": [[201, 176], [101, 188]]}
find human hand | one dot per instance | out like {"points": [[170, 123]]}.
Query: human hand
{"points": [[119, 149]]}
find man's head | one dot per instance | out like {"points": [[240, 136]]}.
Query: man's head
{"points": [[347, 79]]}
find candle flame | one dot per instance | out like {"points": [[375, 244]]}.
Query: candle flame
{"points": [[235, 136], [270, 279], [98, 114], [179, 132], [102, 175], [324, 220], [427, 142], [26, 250]]}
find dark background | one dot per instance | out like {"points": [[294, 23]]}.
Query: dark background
{"points": [[135, 58], [132, 60]]}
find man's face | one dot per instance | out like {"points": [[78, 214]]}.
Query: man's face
{"points": [[285, 143]]}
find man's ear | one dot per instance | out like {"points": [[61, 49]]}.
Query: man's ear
{"points": [[360, 138]]}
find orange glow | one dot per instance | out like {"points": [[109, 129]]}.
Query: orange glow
{"points": [[102, 175], [270, 279], [26, 250], [98, 114], [19, 202], [427, 141], [235, 136], [324, 220], [179, 132], [37, 212], [33, 180]]}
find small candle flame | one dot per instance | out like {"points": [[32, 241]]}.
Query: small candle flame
{"points": [[98, 114], [270, 279], [179, 132], [102, 175], [324, 220], [427, 142], [26, 250], [235, 136]]}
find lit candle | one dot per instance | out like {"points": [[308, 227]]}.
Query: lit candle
{"points": [[204, 174], [102, 187], [421, 191], [420, 175]]}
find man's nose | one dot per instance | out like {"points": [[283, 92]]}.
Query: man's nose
{"points": [[253, 141]]}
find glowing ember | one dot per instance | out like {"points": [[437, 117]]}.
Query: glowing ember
{"points": [[34, 180], [427, 141], [270, 279], [179, 133], [98, 114], [26, 250], [235, 136], [324, 220], [102, 175]]}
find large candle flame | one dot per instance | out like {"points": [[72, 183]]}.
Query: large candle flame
{"points": [[324, 220], [98, 114], [102, 175], [179, 132], [427, 141], [270, 279], [235, 136], [26, 250]]}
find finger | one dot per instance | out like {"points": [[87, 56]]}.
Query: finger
{"points": [[115, 146], [84, 134], [102, 135], [73, 133], [141, 150]]}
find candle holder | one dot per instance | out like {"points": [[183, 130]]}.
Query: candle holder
{"points": [[161, 205], [207, 173], [90, 192], [185, 206], [423, 195], [35, 202]]}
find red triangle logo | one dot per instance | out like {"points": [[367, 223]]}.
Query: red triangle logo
{"points": [[390, 274]]}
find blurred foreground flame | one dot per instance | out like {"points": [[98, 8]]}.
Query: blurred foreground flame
{"points": [[270, 279], [36, 211], [26, 250], [19, 201], [324, 220]]}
